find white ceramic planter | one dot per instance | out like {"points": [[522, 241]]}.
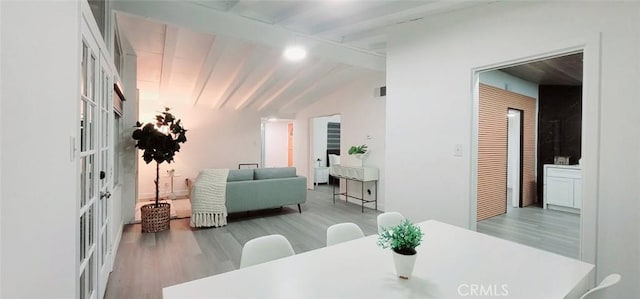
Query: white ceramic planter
{"points": [[361, 158], [404, 264]]}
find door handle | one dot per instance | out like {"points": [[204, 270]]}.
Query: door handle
{"points": [[105, 194]]}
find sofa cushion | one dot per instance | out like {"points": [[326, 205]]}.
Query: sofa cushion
{"points": [[240, 175], [274, 173]]}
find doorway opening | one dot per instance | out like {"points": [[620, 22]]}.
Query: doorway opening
{"points": [[514, 157], [529, 147], [277, 143], [325, 150]]}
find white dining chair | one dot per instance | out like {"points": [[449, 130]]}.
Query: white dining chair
{"points": [[609, 281], [343, 232], [264, 249], [389, 219]]}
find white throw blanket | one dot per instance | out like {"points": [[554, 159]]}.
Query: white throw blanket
{"points": [[208, 199]]}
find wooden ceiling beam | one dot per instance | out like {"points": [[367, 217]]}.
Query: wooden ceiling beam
{"points": [[215, 50], [367, 14], [332, 71], [247, 100], [170, 42], [299, 12], [296, 76], [380, 23], [233, 77]]}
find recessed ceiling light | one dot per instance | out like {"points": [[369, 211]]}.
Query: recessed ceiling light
{"points": [[295, 53]]}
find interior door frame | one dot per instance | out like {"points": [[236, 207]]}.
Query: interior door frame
{"points": [[312, 163], [520, 154], [263, 137], [590, 46], [90, 35], [105, 204], [87, 241]]}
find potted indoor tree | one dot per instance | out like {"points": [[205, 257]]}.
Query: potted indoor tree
{"points": [[160, 142], [403, 240]]}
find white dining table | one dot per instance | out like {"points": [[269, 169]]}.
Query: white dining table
{"points": [[452, 262]]}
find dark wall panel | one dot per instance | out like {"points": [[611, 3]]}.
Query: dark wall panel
{"points": [[559, 125]]}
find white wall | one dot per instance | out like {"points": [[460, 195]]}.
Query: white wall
{"points": [[0, 151], [429, 109], [320, 137], [361, 114], [215, 139], [40, 90], [502, 80], [129, 154], [276, 144]]}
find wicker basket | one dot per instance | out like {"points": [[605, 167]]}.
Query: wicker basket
{"points": [[155, 219]]}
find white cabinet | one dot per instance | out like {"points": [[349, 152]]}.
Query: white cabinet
{"points": [[560, 191], [577, 194], [321, 175], [563, 187]]}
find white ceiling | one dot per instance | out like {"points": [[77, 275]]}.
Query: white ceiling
{"points": [[228, 53]]}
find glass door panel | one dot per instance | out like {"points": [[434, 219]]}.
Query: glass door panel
{"points": [[95, 168], [106, 180], [88, 163]]}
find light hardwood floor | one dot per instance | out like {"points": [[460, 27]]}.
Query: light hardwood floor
{"points": [[549, 230], [146, 263]]}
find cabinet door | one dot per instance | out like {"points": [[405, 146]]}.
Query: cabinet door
{"points": [[560, 191], [577, 194], [321, 175]]}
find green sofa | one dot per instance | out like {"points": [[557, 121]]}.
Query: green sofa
{"points": [[264, 188]]}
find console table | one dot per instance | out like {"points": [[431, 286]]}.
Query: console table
{"points": [[358, 174]]}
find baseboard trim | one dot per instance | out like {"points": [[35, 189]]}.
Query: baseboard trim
{"points": [[116, 245], [144, 197]]}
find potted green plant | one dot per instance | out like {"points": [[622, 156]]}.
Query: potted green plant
{"points": [[359, 151], [160, 142], [403, 240]]}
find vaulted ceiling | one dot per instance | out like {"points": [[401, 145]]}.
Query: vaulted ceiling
{"points": [[228, 54]]}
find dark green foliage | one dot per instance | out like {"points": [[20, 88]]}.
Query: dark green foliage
{"points": [[159, 146], [361, 149], [402, 238]]}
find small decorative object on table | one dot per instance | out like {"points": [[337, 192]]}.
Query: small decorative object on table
{"points": [[171, 173], [359, 151], [403, 240], [561, 160]]}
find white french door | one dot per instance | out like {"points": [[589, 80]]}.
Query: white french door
{"points": [[105, 180], [87, 164], [95, 169]]}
